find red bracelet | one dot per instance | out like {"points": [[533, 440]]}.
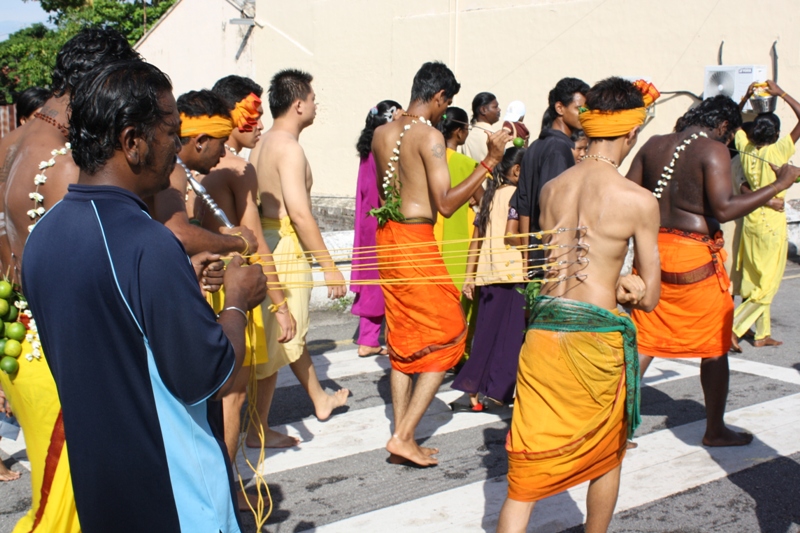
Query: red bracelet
{"points": [[484, 165]]}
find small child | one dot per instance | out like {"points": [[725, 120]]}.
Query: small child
{"points": [[491, 369]]}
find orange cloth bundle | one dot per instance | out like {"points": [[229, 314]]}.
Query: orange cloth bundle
{"points": [[425, 326], [569, 421], [245, 115], [602, 124], [690, 320], [216, 126]]}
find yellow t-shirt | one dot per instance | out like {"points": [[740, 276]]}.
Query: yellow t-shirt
{"points": [[757, 172]]}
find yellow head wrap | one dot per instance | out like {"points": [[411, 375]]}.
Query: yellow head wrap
{"points": [[216, 126], [599, 124], [245, 115]]}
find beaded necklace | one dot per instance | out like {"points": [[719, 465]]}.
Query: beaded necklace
{"points": [[666, 176], [598, 157], [53, 122]]}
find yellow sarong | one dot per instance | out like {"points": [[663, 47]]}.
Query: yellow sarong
{"points": [[570, 423], [255, 339], [294, 270], [34, 401]]}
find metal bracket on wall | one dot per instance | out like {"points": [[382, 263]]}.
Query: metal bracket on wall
{"points": [[719, 52], [775, 61]]}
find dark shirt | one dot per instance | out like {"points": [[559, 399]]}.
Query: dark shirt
{"points": [[548, 156], [136, 353]]}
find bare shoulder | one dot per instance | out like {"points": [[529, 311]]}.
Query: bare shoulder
{"points": [[433, 140], [637, 197]]}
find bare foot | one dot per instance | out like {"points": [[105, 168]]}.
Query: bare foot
{"points": [[409, 451], [242, 499], [272, 439], [735, 344], [332, 401], [766, 341], [367, 351], [631, 445], [728, 438], [6, 474]]}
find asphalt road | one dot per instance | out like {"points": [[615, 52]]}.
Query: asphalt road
{"points": [[339, 480]]}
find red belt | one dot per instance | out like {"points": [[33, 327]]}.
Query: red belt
{"points": [[687, 278]]}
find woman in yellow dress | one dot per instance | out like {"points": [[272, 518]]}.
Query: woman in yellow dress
{"points": [[764, 245]]}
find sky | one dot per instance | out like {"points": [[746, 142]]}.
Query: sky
{"points": [[16, 14]]}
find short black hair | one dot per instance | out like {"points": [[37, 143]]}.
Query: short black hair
{"points": [[432, 77], [114, 97], [454, 119], [613, 94], [233, 89], [201, 103], [29, 101], [480, 100], [564, 92], [287, 87], [90, 48], [711, 113], [765, 129]]}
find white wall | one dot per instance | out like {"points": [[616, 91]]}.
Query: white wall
{"points": [[363, 51], [195, 44]]}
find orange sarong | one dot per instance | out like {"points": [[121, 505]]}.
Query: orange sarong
{"points": [[569, 424], [425, 326], [692, 319]]}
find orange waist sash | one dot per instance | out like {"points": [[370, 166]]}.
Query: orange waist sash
{"points": [[690, 320]]}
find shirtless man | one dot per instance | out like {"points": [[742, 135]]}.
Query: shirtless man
{"points": [[233, 185], [284, 182], [425, 327], [575, 334], [205, 126], [695, 315]]}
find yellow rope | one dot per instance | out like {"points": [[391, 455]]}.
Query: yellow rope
{"points": [[253, 418]]}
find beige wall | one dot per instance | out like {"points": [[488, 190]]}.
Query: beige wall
{"points": [[363, 51], [195, 44]]}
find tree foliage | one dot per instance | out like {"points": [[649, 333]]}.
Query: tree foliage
{"points": [[28, 56]]}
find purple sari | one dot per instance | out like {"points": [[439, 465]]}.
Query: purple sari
{"points": [[369, 298]]}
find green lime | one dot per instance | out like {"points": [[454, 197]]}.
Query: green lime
{"points": [[12, 315], [9, 365], [5, 289], [3, 329], [2, 345], [16, 331], [4, 307], [519, 142], [12, 348]]}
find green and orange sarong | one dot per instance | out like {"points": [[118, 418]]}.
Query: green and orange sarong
{"points": [[425, 327], [577, 398]]}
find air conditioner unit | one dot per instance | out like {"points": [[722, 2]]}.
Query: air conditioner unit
{"points": [[732, 81]]}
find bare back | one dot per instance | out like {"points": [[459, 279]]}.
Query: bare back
{"points": [[684, 203], [422, 147], [277, 157], [611, 209], [22, 152]]}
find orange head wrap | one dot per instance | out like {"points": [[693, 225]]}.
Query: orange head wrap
{"points": [[216, 126], [245, 115], [600, 124]]}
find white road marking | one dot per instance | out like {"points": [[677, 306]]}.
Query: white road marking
{"points": [[667, 462]]}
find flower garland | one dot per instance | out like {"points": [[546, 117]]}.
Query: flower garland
{"points": [[39, 180], [666, 176], [390, 210]]}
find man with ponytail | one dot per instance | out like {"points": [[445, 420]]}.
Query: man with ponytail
{"points": [[549, 155], [689, 171]]}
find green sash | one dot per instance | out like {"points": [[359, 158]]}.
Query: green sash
{"points": [[559, 314]]}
